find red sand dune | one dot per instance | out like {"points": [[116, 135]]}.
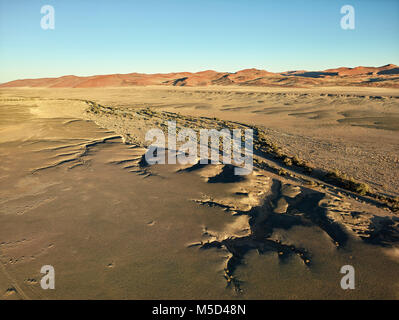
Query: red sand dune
{"points": [[361, 70], [384, 76]]}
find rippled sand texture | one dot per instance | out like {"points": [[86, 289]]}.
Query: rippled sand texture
{"points": [[76, 193]]}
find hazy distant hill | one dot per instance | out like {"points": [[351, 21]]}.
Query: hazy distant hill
{"points": [[384, 76]]}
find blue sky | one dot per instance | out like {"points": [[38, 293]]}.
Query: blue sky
{"points": [[121, 36]]}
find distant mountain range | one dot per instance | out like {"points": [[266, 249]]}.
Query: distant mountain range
{"points": [[384, 76]]}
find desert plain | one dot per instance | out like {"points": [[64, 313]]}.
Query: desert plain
{"points": [[76, 192]]}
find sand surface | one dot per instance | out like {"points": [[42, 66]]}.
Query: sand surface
{"points": [[74, 194]]}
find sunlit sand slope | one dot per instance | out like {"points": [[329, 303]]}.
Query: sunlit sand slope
{"points": [[76, 193]]}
